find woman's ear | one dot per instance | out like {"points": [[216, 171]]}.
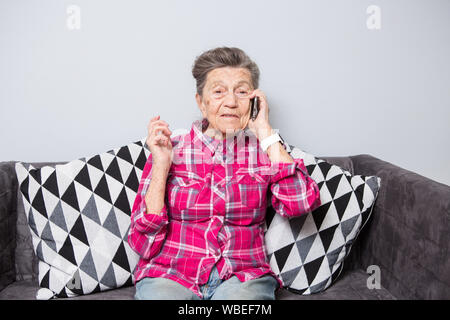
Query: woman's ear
{"points": [[200, 104]]}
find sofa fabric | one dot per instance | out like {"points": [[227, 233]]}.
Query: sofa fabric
{"points": [[407, 236], [8, 216], [352, 286]]}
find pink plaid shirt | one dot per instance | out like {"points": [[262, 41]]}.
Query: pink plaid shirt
{"points": [[215, 208]]}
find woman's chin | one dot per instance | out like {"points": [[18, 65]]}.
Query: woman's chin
{"points": [[231, 129]]}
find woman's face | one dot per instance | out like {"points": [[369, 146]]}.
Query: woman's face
{"points": [[225, 101]]}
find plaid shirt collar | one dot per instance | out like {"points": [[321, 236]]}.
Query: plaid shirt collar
{"points": [[197, 136]]}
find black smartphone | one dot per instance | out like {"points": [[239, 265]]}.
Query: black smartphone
{"points": [[254, 108]]}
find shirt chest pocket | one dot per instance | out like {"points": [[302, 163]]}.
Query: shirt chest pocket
{"points": [[183, 191], [252, 189]]}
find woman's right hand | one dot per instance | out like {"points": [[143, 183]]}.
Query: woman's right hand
{"points": [[160, 145]]}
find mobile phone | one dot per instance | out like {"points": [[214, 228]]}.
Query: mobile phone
{"points": [[254, 108]]}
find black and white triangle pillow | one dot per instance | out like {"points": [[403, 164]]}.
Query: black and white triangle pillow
{"points": [[307, 253], [79, 217]]}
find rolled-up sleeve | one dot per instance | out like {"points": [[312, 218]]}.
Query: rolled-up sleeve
{"points": [[147, 230], [294, 192]]}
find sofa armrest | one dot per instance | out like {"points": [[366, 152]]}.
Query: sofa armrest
{"points": [[8, 216], [408, 235]]}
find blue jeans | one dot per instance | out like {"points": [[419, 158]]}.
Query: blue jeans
{"points": [[262, 288]]}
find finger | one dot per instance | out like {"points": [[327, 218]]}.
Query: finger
{"points": [[157, 122], [154, 128], [255, 93], [149, 126], [160, 140], [160, 121], [166, 142], [258, 93], [161, 129], [156, 118], [262, 97], [262, 101], [247, 121]]}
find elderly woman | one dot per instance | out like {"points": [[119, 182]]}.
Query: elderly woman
{"points": [[197, 222]]}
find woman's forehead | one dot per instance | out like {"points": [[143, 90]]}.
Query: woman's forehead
{"points": [[229, 75]]}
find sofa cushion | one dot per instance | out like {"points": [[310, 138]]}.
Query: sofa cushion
{"points": [[26, 262], [27, 290], [307, 252], [79, 216], [352, 286]]}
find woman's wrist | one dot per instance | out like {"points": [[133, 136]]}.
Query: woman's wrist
{"points": [[276, 151], [160, 170], [263, 133], [154, 197]]}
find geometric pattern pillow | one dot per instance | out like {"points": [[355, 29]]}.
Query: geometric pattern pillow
{"points": [[307, 253], [79, 217]]}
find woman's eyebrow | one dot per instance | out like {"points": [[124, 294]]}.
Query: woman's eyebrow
{"points": [[221, 83], [243, 81], [216, 83]]}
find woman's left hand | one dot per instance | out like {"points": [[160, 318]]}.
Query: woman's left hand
{"points": [[260, 126]]}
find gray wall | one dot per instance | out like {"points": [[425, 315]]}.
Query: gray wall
{"points": [[335, 87]]}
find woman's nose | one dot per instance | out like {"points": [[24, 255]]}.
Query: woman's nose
{"points": [[230, 100]]}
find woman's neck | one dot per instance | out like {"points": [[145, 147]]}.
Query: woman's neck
{"points": [[213, 133]]}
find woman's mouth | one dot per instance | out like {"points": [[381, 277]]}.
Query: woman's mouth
{"points": [[229, 116]]}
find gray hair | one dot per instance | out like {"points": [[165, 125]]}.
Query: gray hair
{"points": [[222, 57]]}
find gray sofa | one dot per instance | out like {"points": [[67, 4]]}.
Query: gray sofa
{"points": [[407, 237]]}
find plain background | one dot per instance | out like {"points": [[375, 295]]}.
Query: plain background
{"points": [[334, 86]]}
